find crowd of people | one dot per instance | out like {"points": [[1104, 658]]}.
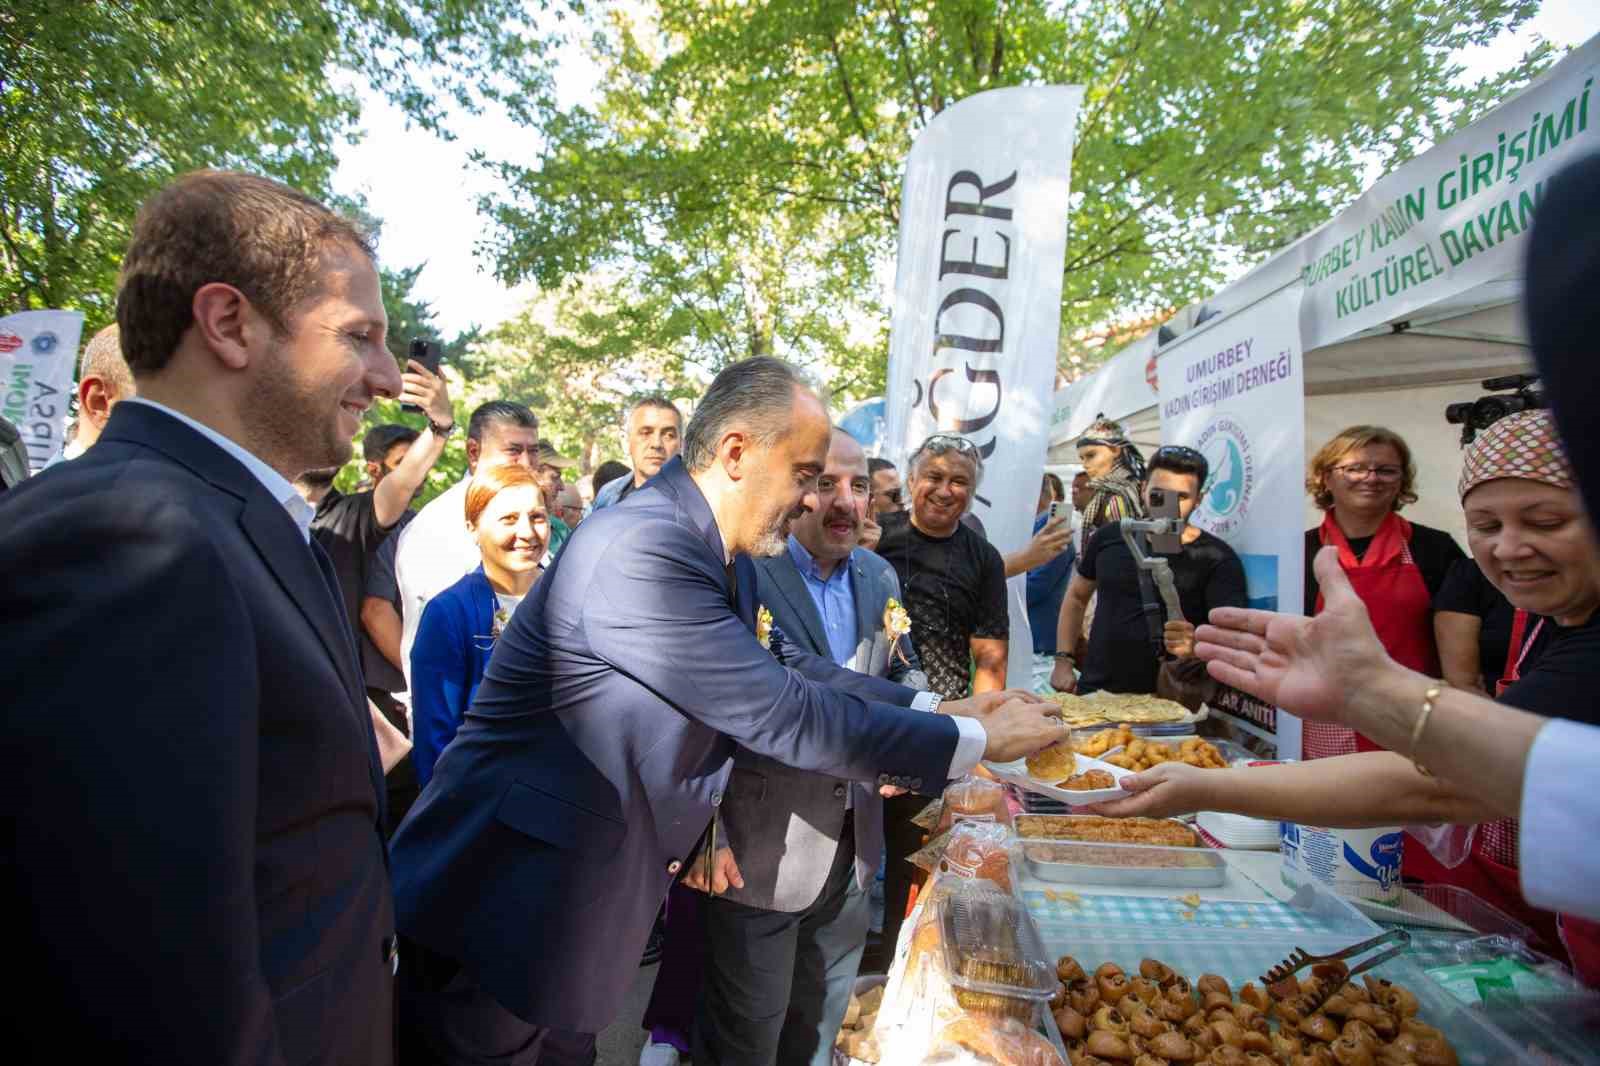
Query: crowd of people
{"points": [[499, 745]]}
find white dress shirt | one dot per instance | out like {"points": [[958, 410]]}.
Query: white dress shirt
{"points": [[275, 483], [1560, 808]]}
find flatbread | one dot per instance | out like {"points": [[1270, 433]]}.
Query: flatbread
{"points": [[1101, 708]]}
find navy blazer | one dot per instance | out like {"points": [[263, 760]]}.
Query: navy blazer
{"points": [[452, 649], [599, 744], [192, 866]]}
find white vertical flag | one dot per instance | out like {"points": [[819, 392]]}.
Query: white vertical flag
{"points": [[977, 301], [37, 353]]}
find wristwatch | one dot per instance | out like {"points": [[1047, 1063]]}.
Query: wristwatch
{"points": [[1065, 655], [933, 708], [441, 431]]}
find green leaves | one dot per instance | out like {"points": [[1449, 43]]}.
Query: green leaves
{"points": [[101, 102], [742, 166]]}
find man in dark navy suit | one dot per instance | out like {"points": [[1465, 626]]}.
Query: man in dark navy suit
{"points": [[602, 737], [193, 858]]}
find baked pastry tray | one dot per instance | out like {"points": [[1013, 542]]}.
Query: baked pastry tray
{"points": [[1093, 862]]}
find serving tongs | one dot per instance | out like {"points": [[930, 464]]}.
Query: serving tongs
{"points": [[1330, 972]]}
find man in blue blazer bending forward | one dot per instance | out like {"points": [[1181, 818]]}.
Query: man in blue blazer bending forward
{"points": [[600, 743]]}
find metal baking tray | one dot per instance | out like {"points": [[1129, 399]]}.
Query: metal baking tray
{"points": [[1088, 862]]}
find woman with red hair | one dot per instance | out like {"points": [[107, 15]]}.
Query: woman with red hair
{"points": [[505, 513]]}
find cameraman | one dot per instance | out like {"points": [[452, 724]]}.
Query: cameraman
{"points": [[1122, 655]]}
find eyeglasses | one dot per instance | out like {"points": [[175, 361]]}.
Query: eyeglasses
{"points": [[1363, 471]]}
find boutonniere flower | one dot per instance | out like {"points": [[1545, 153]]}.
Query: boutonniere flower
{"points": [[896, 623], [502, 618], [764, 627]]}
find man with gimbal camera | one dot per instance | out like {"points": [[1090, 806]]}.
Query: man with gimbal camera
{"points": [[1131, 634]]}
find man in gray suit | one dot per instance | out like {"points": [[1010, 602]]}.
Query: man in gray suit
{"points": [[788, 921]]}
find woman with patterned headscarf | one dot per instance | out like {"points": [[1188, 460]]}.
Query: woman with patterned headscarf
{"points": [[1116, 473], [1528, 531]]}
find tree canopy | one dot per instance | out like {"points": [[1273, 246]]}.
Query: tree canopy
{"points": [[742, 163], [101, 102]]}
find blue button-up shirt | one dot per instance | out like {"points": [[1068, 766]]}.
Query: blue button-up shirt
{"points": [[835, 598]]}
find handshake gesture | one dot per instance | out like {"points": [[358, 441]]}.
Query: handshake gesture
{"points": [[1018, 723]]}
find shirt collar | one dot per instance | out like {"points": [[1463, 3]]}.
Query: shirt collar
{"points": [[807, 563], [275, 483]]}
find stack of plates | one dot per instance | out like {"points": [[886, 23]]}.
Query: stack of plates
{"points": [[1238, 831]]}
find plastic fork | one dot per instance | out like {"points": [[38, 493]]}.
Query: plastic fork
{"points": [[1299, 959]]}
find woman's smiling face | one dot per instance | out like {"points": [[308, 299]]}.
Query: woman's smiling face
{"points": [[1534, 543]]}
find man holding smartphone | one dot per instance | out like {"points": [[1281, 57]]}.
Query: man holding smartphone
{"points": [[1121, 656]]}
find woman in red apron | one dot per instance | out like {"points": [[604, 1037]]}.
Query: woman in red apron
{"points": [[1362, 478]]}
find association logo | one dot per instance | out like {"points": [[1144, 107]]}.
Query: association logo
{"points": [[1225, 497], [9, 342], [45, 343]]}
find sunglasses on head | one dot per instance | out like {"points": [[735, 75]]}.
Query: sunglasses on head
{"points": [[950, 440], [1177, 453]]}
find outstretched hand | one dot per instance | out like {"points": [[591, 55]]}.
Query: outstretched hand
{"points": [[1162, 791], [1309, 666], [982, 704]]}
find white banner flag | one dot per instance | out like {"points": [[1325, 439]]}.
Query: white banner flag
{"points": [[977, 301], [1456, 216], [38, 350], [1236, 392]]}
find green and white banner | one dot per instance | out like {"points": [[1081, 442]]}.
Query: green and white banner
{"points": [[1453, 218], [38, 352]]}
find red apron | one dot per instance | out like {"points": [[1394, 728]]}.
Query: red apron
{"points": [[1390, 584], [1490, 869]]}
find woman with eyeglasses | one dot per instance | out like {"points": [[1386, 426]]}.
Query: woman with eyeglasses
{"points": [[505, 513], [1361, 479]]}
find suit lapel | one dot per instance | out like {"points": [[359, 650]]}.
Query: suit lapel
{"points": [[869, 610], [786, 576], [301, 574]]}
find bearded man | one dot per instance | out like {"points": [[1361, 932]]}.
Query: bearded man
{"points": [[601, 740]]}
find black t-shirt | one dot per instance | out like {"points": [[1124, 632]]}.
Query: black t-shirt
{"points": [[1564, 680], [348, 530], [1122, 657], [954, 589], [1467, 591], [1433, 550], [382, 584]]}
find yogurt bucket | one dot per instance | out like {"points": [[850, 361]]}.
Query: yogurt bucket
{"points": [[1362, 863]]}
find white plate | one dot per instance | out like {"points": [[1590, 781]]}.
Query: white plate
{"points": [[1016, 773]]}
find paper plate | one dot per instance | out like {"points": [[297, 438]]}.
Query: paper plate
{"points": [[1016, 773]]}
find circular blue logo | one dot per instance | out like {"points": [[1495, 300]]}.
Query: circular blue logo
{"points": [[1225, 497], [45, 343]]}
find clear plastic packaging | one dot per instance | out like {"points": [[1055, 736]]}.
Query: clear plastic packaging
{"points": [[974, 799], [980, 851], [993, 957], [975, 1041]]}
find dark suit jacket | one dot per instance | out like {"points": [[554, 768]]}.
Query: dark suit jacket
{"points": [[194, 868], [598, 745], [784, 824]]}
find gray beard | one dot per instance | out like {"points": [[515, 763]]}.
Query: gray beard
{"points": [[773, 542]]}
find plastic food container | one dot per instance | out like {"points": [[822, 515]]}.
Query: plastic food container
{"points": [[974, 799], [1054, 857], [993, 957]]}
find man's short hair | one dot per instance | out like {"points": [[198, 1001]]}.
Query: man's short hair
{"points": [[757, 394], [657, 401], [500, 413], [102, 358], [1182, 460], [380, 440], [942, 444], [608, 472], [262, 237], [876, 464]]}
